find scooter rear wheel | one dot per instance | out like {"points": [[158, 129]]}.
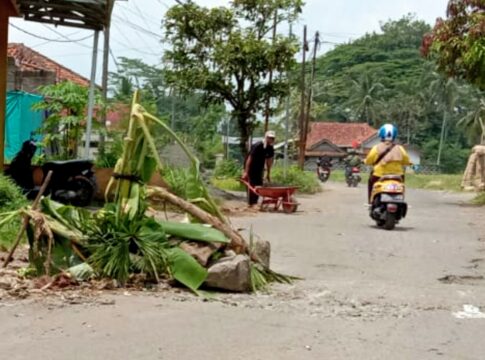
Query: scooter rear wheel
{"points": [[390, 222], [84, 188]]}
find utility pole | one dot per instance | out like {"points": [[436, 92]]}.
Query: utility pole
{"points": [[270, 81], [104, 80], [287, 118], [310, 91], [442, 138], [226, 142], [301, 120], [172, 125], [92, 85]]}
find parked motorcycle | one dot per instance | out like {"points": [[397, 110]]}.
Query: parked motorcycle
{"points": [[388, 206], [324, 169], [72, 182], [353, 177]]}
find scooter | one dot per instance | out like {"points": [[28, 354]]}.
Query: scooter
{"points": [[388, 206], [72, 182], [353, 176], [324, 169]]}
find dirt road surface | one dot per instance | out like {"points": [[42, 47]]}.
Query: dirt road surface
{"points": [[366, 294]]}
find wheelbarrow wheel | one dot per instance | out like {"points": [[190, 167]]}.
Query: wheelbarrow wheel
{"points": [[290, 206]]}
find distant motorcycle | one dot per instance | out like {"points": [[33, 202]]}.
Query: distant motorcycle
{"points": [[72, 182], [324, 169], [353, 177]]}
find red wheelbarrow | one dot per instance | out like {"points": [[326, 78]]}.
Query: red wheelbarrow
{"points": [[277, 196]]}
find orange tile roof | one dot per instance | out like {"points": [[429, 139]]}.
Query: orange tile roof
{"points": [[27, 59], [340, 134]]}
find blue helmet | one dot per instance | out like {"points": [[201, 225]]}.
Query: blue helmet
{"points": [[388, 132]]}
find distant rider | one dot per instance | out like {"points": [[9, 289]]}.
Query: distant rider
{"points": [[352, 160], [324, 162], [386, 158]]}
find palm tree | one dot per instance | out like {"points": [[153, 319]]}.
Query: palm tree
{"points": [[445, 94], [474, 119], [365, 96]]}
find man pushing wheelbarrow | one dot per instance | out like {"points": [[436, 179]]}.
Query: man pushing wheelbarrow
{"points": [[261, 155]]}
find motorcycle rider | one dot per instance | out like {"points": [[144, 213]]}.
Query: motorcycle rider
{"points": [[386, 158], [352, 160], [324, 161]]}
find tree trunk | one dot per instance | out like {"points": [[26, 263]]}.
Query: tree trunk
{"points": [[245, 132], [238, 244]]}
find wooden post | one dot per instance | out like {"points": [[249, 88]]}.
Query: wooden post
{"points": [[310, 91], [3, 79], [270, 81], [301, 122], [104, 80], [92, 85]]}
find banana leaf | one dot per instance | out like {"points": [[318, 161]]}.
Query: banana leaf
{"points": [[185, 269], [196, 232]]}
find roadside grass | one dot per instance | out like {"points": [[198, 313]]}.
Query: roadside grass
{"points": [[228, 184], [442, 182], [309, 184], [306, 181], [479, 199]]}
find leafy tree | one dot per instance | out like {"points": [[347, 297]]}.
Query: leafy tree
{"points": [[473, 121], [225, 54], [458, 42], [66, 103], [391, 58], [364, 97]]}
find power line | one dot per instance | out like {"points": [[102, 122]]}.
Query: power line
{"points": [[163, 4], [47, 39], [137, 27]]}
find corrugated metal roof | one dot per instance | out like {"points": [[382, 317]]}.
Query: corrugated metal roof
{"points": [[88, 14]]}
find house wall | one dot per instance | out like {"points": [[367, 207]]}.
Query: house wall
{"points": [[28, 81]]}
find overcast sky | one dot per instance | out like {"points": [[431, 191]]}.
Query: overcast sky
{"points": [[136, 31]]}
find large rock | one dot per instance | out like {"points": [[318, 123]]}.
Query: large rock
{"points": [[230, 273], [200, 251], [262, 250]]}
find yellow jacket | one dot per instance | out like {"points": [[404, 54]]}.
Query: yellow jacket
{"points": [[392, 164]]}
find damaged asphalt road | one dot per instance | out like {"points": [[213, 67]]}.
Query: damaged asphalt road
{"points": [[412, 293]]}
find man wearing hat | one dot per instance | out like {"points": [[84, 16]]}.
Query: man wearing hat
{"points": [[261, 154]]}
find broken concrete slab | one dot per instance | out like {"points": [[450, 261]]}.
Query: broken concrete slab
{"points": [[230, 273], [201, 252], [262, 251]]}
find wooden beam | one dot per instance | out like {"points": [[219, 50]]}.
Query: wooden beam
{"points": [[93, 12], [73, 24], [14, 10], [3, 81]]}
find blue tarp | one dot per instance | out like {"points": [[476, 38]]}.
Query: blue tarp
{"points": [[21, 121]]}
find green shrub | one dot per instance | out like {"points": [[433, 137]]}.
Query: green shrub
{"points": [[177, 179], [306, 181], [112, 152], [479, 199], [228, 169], [11, 198], [229, 184]]}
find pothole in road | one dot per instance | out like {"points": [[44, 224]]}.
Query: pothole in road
{"points": [[462, 280], [317, 302]]}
